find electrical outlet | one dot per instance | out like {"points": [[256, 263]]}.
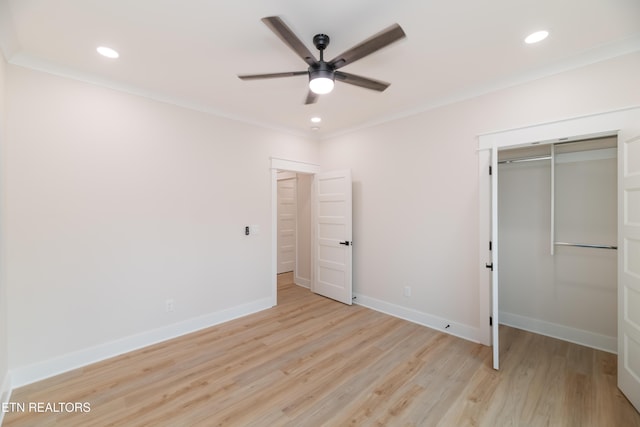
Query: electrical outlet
{"points": [[170, 306], [407, 291]]}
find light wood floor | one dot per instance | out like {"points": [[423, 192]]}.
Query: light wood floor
{"points": [[314, 362]]}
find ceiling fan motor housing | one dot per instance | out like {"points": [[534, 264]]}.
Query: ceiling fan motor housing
{"points": [[321, 69], [321, 41]]}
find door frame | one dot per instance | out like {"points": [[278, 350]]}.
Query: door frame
{"points": [[278, 164], [618, 122]]}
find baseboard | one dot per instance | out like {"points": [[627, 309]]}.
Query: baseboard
{"points": [[566, 333], [434, 322], [5, 393], [29, 374], [300, 281]]}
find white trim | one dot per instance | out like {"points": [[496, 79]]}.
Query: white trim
{"points": [[300, 281], [48, 368], [5, 393], [274, 235], [294, 166], [572, 129], [552, 214], [566, 333], [495, 314], [421, 318]]}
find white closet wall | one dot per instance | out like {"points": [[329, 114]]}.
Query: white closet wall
{"points": [[572, 293]]}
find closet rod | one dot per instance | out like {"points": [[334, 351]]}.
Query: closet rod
{"points": [[585, 245], [524, 159]]}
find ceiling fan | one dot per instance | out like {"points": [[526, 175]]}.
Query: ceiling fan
{"points": [[322, 74]]}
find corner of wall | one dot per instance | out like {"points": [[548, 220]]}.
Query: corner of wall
{"points": [[301, 281], [562, 332], [421, 318]]}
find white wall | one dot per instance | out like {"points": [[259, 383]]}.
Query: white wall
{"points": [[4, 345], [113, 204], [303, 232], [416, 189]]}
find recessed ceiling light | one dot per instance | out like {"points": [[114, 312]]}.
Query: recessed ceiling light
{"points": [[108, 52], [316, 119], [536, 37]]}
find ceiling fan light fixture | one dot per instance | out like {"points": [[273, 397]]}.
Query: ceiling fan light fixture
{"points": [[321, 85], [321, 79]]}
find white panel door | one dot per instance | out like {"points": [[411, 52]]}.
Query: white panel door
{"points": [[495, 336], [286, 225], [629, 270], [332, 235]]}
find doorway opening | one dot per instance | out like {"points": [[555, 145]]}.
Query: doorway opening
{"points": [[293, 256], [302, 173], [331, 224]]}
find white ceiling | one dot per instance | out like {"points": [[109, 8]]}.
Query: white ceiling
{"points": [[190, 52]]}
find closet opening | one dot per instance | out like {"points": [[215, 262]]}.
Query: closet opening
{"points": [[557, 235]]}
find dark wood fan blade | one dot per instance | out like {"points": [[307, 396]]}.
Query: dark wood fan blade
{"points": [[289, 38], [370, 45], [364, 82], [272, 75], [312, 98]]}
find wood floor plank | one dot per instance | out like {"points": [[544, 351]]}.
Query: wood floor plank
{"points": [[313, 362]]}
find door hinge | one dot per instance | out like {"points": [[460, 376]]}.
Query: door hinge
{"points": [[490, 170], [490, 245], [490, 321], [489, 266]]}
